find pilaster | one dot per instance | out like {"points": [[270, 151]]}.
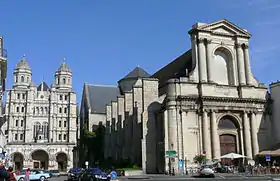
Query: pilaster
{"points": [[206, 135], [215, 137], [202, 60], [254, 134], [247, 136], [209, 61], [247, 65], [241, 73]]}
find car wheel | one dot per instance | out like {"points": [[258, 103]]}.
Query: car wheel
{"points": [[42, 178], [21, 179]]}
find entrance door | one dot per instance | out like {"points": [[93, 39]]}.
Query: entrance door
{"points": [[228, 144]]}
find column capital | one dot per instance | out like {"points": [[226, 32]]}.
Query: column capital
{"points": [[208, 40], [201, 40], [214, 110], [237, 45], [245, 46]]}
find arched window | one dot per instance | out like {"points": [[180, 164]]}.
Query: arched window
{"points": [[60, 110], [37, 110], [16, 78], [22, 79], [21, 123], [46, 110], [27, 79], [45, 129], [227, 123], [36, 130], [65, 110], [64, 81], [42, 110], [224, 65]]}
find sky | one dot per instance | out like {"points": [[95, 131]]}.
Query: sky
{"points": [[103, 40]]}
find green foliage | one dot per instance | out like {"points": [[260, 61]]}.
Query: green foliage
{"points": [[198, 158]]}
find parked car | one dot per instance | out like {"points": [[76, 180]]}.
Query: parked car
{"points": [[207, 171], [54, 173], [94, 174], [34, 175], [74, 174]]}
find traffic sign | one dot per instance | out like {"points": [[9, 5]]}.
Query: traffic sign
{"points": [[171, 152], [267, 158]]}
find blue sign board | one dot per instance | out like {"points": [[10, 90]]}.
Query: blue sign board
{"points": [[180, 164], [267, 158]]}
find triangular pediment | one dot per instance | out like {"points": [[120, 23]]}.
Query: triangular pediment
{"points": [[224, 27]]}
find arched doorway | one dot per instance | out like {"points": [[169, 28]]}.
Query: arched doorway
{"points": [[18, 160], [229, 131], [62, 159], [40, 159]]}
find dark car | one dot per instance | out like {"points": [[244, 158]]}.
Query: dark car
{"points": [[74, 174], [94, 174]]}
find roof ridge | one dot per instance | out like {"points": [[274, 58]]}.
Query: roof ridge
{"points": [[99, 85]]}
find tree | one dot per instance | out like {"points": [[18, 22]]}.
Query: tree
{"points": [[199, 158]]}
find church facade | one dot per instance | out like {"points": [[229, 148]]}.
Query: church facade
{"points": [[206, 101], [41, 120]]}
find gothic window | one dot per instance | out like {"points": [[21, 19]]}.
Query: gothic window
{"points": [[37, 127], [59, 124], [22, 109], [37, 110], [46, 110], [65, 110], [65, 124], [42, 110], [21, 137], [65, 97], [16, 122], [21, 123], [45, 129], [17, 109], [59, 137], [23, 96], [64, 81], [60, 110], [16, 137], [64, 137], [22, 79], [18, 96]]}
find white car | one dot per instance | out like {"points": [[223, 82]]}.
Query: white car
{"points": [[34, 175], [207, 171]]}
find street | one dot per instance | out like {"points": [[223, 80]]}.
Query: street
{"points": [[179, 178]]}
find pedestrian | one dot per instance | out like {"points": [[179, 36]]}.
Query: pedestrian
{"points": [[4, 175], [12, 174], [27, 173]]}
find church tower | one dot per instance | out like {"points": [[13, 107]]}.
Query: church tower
{"points": [[22, 74], [63, 77]]}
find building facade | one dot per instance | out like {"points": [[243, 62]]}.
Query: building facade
{"points": [[206, 101], [41, 120], [3, 75]]}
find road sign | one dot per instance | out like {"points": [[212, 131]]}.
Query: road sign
{"points": [[267, 158], [170, 156], [171, 152], [204, 152]]}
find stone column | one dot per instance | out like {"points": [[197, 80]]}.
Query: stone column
{"points": [[166, 137], [202, 61], [206, 135], [241, 73], [254, 134], [247, 136], [172, 135], [247, 65], [215, 137], [209, 61]]}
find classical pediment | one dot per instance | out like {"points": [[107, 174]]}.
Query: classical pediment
{"points": [[224, 27]]}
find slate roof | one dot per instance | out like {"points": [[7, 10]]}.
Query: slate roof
{"points": [[137, 72], [180, 67], [23, 64], [44, 86], [64, 68], [98, 96]]}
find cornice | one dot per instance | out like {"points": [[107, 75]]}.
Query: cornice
{"points": [[222, 99]]}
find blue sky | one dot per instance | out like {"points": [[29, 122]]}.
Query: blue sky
{"points": [[103, 40]]}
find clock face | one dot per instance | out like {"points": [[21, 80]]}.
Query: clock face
{"points": [[42, 97]]}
